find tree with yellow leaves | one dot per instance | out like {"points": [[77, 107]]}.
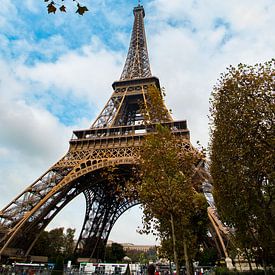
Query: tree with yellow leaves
{"points": [[242, 156], [168, 189]]}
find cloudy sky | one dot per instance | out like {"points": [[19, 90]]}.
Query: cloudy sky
{"points": [[56, 73]]}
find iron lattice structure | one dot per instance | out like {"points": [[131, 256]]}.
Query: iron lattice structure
{"points": [[137, 61], [114, 140]]}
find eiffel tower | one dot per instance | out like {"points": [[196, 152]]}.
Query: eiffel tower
{"points": [[113, 141]]}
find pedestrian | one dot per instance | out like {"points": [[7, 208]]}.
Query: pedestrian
{"points": [[151, 269]]}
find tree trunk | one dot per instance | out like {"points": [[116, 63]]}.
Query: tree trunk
{"points": [[187, 262], [174, 244]]}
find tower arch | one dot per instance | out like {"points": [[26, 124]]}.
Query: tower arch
{"points": [[113, 141]]}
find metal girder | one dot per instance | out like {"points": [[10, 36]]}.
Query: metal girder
{"points": [[105, 202], [124, 106], [103, 207], [114, 140], [25, 215], [137, 62], [221, 234], [51, 192]]}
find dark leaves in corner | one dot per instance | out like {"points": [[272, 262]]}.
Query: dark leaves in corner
{"points": [[52, 6], [81, 9]]}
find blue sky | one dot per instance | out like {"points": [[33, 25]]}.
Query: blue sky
{"points": [[56, 73]]}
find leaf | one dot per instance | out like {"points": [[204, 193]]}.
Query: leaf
{"points": [[62, 8], [51, 8], [81, 9]]}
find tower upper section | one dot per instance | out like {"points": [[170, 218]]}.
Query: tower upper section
{"points": [[137, 62], [124, 113]]}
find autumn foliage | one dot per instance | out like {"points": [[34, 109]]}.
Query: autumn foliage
{"points": [[169, 185], [242, 156]]}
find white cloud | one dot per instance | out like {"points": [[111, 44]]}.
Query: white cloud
{"points": [[31, 138], [207, 37], [31, 129], [87, 72], [4, 152]]}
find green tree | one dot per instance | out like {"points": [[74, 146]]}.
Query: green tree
{"points": [[207, 256], [55, 244], [169, 184], [41, 247], [114, 253], [134, 255], [68, 244], [142, 257], [242, 155]]}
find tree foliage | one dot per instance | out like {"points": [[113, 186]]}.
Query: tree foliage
{"points": [[142, 257], [242, 154], [154, 109], [55, 244], [169, 185], [60, 5], [114, 253]]}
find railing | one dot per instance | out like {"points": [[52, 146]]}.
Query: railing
{"points": [[177, 127]]}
